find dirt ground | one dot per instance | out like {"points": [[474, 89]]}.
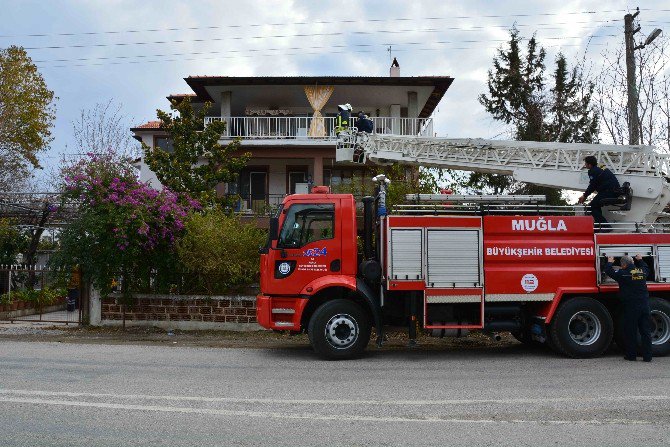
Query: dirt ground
{"points": [[395, 338]]}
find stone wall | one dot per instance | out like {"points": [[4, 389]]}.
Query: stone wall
{"points": [[231, 312]]}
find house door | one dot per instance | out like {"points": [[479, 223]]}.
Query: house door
{"points": [[257, 191], [296, 175]]}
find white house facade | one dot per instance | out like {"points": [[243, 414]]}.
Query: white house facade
{"points": [[287, 124]]}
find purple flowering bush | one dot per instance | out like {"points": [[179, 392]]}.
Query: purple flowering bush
{"points": [[124, 228]]}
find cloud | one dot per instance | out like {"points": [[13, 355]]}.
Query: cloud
{"points": [[294, 38]]}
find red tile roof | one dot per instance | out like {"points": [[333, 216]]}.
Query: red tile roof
{"points": [[150, 125]]}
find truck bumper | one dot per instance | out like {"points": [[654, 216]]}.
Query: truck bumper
{"points": [[279, 313]]}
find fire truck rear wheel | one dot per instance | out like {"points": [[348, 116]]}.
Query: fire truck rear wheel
{"points": [[339, 329], [581, 328], [660, 327]]}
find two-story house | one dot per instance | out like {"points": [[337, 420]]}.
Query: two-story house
{"points": [[287, 124]]}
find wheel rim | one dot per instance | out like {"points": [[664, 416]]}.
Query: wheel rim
{"points": [[342, 331], [584, 328], [660, 327]]}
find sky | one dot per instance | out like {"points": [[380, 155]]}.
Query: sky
{"points": [[137, 52]]}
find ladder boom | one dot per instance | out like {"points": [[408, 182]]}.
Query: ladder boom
{"points": [[558, 165]]}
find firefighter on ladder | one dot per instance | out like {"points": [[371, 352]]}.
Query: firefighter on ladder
{"points": [[343, 118], [605, 183]]}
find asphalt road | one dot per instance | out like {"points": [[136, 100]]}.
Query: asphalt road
{"points": [[59, 394]]}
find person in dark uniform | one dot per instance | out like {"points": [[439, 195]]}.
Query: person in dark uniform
{"points": [[605, 183], [364, 124], [632, 280]]}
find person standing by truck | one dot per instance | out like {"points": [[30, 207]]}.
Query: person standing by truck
{"points": [[632, 280]]}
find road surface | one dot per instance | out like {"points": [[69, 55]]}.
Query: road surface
{"points": [[68, 394]]}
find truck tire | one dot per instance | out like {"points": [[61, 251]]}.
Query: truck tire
{"points": [[339, 330], [581, 328], [660, 327]]}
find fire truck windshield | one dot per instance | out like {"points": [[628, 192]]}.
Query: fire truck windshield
{"points": [[305, 223]]}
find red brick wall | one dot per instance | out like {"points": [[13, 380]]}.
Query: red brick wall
{"points": [[219, 309]]}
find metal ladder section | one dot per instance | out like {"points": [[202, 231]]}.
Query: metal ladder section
{"points": [[504, 156], [558, 165]]}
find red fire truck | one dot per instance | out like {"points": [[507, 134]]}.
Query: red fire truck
{"points": [[488, 263]]}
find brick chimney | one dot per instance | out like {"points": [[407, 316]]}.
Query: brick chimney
{"points": [[395, 69]]}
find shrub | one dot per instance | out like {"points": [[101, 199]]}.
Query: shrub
{"points": [[123, 227], [220, 252]]}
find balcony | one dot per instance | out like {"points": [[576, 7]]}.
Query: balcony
{"points": [[296, 127]]}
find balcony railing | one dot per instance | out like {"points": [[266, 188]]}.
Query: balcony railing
{"points": [[297, 127]]}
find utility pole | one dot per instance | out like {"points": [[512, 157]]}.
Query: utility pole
{"points": [[629, 33], [633, 119]]}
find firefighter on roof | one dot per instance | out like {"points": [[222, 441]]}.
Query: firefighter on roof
{"points": [[633, 292], [605, 183]]}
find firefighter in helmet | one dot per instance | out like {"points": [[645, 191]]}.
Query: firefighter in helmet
{"points": [[632, 280], [343, 118], [605, 183]]}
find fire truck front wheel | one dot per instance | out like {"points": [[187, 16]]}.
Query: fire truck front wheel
{"points": [[339, 329], [581, 328]]}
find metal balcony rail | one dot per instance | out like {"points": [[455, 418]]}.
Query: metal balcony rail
{"points": [[297, 127]]}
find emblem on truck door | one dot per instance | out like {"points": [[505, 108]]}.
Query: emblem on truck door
{"points": [[284, 268]]}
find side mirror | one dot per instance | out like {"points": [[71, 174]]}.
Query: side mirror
{"points": [[274, 228]]}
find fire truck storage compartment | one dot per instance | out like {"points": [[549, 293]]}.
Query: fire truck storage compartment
{"points": [[453, 308], [453, 258], [406, 249], [663, 258], [617, 251]]}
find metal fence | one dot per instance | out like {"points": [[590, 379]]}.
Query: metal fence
{"points": [[39, 293], [297, 127]]}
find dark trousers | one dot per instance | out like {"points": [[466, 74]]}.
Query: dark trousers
{"points": [[596, 205], [637, 317]]}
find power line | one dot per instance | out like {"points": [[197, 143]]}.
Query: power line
{"points": [[236, 38], [318, 47], [317, 22], [277, 54]]}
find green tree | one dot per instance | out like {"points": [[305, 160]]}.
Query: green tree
{"points": [[12, 242], [197, 162], [27, 112], [538, 109]]}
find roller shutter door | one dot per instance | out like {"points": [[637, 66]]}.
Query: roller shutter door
{"points": [[453, 258], [406, 251]]}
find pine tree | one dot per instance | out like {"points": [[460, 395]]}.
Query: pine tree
{"points": [[518, 95]]}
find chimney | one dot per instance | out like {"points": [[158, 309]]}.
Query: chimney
{"points": [[395, 69]]}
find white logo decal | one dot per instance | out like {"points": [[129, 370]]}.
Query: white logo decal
{"points": [[529, 282], [284, 268], [540, 224]]}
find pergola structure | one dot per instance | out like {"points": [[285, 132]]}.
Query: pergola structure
{"points": [[40, 210]]}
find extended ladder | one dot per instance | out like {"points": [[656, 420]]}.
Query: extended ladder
{"points": [[557, 165]]}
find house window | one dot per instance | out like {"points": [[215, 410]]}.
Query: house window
{"points": [[164, 143], [347, 180]]}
